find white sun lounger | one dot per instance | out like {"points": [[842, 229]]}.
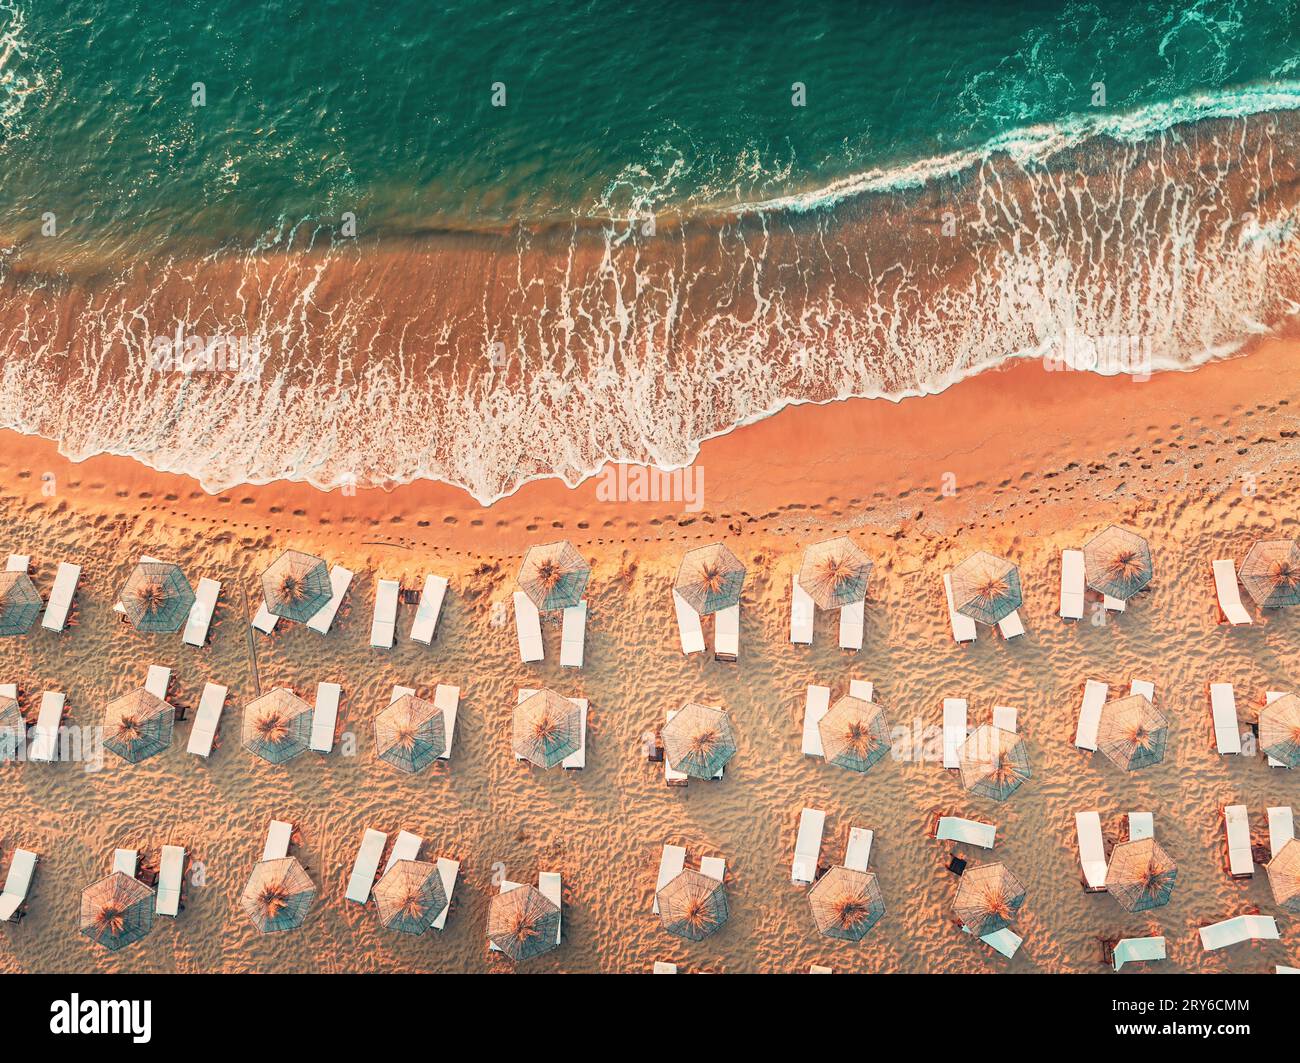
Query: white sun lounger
{"points": [[726, 633], [1235, 931], [400, 692], [663, 967], [550, 887], [18, 881], [61, 595], [1092, 850], [201, 612], [1223, 710], [714, 866], [18, 563], [1005, 941], [671, 862], [1281, 828], [366, 864], [578, 758], [969, 831], [1072, 585], [808, 845], [9, 690], [802, 612], [853, 619], [325, 716], [688, 626], [383, 628], [278, 836], [447, 871], [1004, 717], [573, 635], [156, 681], [1115, 605], [447, 698], [861, 688], [1094, 699], [1280, 969], [407, 847], [1141, 825], [816, 705], [204, 731], [857, 854], [963, 627], [528, 626], [819, 968], [1141, 686], [1138, 950], [125, 861], [424, 628], [954, 731], [170, 869], [340, 581], [1236, 824], [1270, 697], [1225, 586], [45, 735], [265, 620], [1011, 627]]}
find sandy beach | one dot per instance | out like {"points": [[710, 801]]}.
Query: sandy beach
{"points": [[1020, 462]]}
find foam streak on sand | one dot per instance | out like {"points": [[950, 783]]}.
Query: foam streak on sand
{"points": [[487, 360]]}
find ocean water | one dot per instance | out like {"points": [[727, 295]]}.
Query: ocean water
{"points": [[649, 243]]}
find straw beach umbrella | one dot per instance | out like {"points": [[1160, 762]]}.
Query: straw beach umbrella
{"points": [[988, 898], [296, 586], [710, 578], [116, 911], [411, 733], [547, 728], [986, 588], [1141, 875], [1271, 573], [846, 904], [522, 923], [1132, 732], [693, 905], [854, 733], [1284, 876], [278, 895], [13, 729], [1279, 730], [157, 597], [994, 762], [138, 726], [554, 576], [698, 741], [834, 573], [410, 896], [1117, 562], [20, 603], [277, 726]]}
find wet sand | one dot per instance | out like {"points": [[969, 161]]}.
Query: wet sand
{"points": [[1021, 462]]}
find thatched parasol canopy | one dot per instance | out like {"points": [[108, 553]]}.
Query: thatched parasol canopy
{"points": [[554, 576], [1279, 730], [693, 905], [846, 904], [116, 911], [522, 923], [278, 895], [986, 588], [410, 896], [296, 586], [157, 597], [699, 741], [411, 733], [20, 603], [988, 898], [1117, 562], [1141, 875], [854, 733], [834, 573], [277, 726], [994, 762], [1284, 876], [547, 728], [1132, 732], [138, 726], [1271, 573], [710, 578], [13, 729]]}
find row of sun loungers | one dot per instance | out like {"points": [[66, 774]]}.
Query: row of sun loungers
{"points": [[818, 704], [573, 634], [803, 611], [549, 886], [575, 761]]}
